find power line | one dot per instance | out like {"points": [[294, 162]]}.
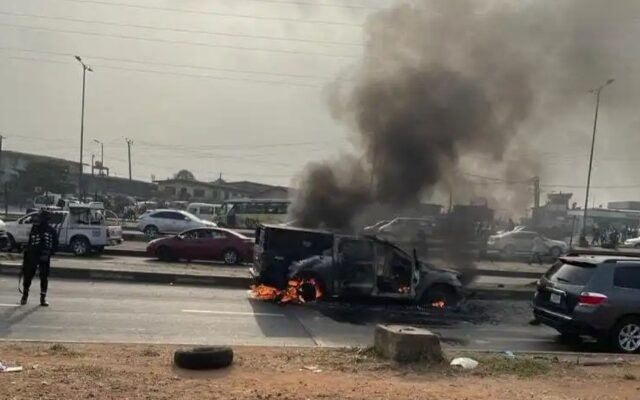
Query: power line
{"points": [[167, 64], [181, 30], [218, 14], [328, 5], [182, 42], [173, 73]]}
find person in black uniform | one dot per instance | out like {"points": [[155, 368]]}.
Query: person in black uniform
{"points": [[43, 243]]}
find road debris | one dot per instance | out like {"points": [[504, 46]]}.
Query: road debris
{"points": [[464, 363], [5, 368], [312, 368]]}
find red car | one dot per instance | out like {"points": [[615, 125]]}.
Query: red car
{"points": [[204, 244]]}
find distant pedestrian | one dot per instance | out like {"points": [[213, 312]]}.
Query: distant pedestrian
{"points": [[43, 243], [511, 225], [539, 249]]}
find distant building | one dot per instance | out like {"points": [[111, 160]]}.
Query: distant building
{"points": [[219, 190], [554, 213], [624, 205], [13, 163]]}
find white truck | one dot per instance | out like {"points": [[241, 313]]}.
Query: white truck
{"points": [[82, 229]]}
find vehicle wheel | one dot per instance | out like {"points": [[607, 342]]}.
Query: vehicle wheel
{"points": [[151, 231], [438, 293], [509, 251], [637, 246], [165, 254], [626, 335], [231, 257], [80, 246], [555, 252], [204, 358], [12, 243]]}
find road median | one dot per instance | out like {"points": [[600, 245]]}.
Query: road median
{"points": [[237, 278]]}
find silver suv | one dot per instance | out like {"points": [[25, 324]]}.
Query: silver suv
{"points": [[597, 296]]}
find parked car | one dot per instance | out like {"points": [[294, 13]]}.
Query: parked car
{"points": [[633, 242], [82, 229], [348, 266], [217, 244], [406, 230], [156, 222], [512, 243], [598, 296]]}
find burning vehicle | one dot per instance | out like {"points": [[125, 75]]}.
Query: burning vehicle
{"points": [[302, 265]]}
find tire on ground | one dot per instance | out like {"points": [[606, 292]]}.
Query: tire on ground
{"points": [[199, 358]]}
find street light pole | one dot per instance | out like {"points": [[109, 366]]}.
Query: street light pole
{"points": [[85, 68], [597, 91]]}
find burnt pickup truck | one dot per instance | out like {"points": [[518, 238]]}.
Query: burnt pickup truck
{"points": [[349, 266]]}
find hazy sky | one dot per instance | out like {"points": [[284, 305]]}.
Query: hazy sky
{"points": [[199, 100]]}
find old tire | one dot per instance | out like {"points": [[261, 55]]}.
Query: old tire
{"points": [[231, 257], [509, 251], [440, 292], [625, 336], [214, 357], [80, 246], [151, 231]]}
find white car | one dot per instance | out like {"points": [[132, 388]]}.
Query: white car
{"points": [[513, 243], [156, 222], [633, 242]]}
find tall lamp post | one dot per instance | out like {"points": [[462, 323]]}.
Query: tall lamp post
{"points": [[597, 91], [85, 68]]}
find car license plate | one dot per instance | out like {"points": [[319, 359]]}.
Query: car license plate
{"points": [[555, 298]]}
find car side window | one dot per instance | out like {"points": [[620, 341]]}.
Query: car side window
{"points": [[627, 277], [205, 234], [177, 216], [218, 235], [162, 214]]}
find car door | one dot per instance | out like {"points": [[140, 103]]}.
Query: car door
{"points": [[194, 244], [177, 222], [356, 265]]}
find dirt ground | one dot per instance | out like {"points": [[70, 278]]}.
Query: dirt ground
{"points": [[107, 371]]}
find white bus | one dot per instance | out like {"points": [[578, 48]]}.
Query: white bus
{"points": [[248, 213]]}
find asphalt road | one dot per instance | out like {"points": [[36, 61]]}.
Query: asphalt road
{"points": [[133, 313]]}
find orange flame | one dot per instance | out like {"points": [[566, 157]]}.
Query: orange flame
{"points": [[294, 293], [404, 289], [438, 304]]}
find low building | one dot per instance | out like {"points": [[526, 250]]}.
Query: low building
{"points": [[191, 190], [13, 163]]}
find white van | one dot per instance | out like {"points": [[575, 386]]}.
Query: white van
{"points": [[204, 211]]}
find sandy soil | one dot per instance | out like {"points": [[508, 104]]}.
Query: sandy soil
{"points": [[146, 372]]}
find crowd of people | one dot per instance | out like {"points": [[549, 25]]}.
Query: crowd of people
{"points": [[611, 237]]}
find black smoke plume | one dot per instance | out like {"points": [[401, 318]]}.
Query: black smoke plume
{"points": [[449, 89]]}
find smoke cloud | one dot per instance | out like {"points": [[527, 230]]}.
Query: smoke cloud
{"points": [[449, 92]]}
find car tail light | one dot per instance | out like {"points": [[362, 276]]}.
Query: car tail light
{"points": [[591, 299]]}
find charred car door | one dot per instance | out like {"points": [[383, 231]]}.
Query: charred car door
{"points": [[396, 272], [355, 269]]}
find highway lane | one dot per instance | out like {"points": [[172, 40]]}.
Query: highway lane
{"points": [[134, 313]]}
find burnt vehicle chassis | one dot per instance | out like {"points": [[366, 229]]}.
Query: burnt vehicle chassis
{"points": [[350, 266]]}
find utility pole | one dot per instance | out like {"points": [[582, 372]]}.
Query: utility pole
{"points": [[85, 68], [6, 195], [597, 91], [536, 192], [129, 143]]}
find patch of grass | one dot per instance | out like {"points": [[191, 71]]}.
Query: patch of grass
{"points": [[62, 350], [521, 367], [629, 377]]}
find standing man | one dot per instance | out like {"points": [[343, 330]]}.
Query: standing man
{"points": [[43, 243], [539, 249]]}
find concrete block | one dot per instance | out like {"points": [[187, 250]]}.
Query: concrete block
{"points": [[407, 344]]}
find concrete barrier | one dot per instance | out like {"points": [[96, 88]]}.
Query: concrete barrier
{"points": [[407, 344]]}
